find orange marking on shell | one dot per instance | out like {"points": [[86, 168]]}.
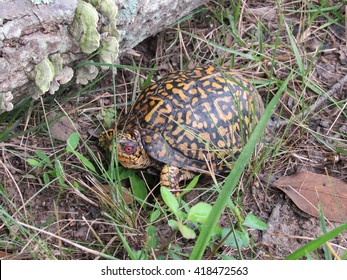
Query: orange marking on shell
{"points": [[194, 101], [210, 70], [216, 85], [169, 86], [181, 94], [155, 108]]}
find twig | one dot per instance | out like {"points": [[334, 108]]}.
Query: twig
{"points": [[318, 102], [18, 189], [85, 249]]}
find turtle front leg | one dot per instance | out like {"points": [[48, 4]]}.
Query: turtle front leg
{"points": [[171, 176]]}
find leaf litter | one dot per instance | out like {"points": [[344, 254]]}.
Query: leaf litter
{"points": [[309, 190]]}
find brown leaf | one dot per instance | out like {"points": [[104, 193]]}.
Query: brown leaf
{"points": [[3, 254], [62, 128], [126, 196], [307, 189]]}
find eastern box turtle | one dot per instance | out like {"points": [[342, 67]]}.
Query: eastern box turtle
{"points": [[191, 121]]}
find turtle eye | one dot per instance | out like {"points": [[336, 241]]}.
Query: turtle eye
{"points": [[129, 149]]}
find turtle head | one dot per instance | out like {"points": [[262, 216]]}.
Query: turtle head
{"points": [[130, 150], [131, 153]]}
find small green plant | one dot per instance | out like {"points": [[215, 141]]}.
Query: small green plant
{"points": [[152, 241], [195, 217], [72, 144], [138, 187], [53, 168], [106, 117]]}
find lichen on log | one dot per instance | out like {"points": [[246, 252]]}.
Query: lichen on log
{"points": [[30, 34]]}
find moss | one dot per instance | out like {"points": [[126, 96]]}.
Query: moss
{"points": [[84, 27], [44, 75]]}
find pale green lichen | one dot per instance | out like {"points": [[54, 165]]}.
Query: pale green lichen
{"points": [[84, 27], [62, 78], [61, 74], [49, 75], [107, 43], [65, 76], [44, 74], [109, 51], [93, 2], [86, 73], [111, 29], [106, 7], [5, 101], [57, 62]]}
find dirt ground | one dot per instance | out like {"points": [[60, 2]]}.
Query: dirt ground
{"points": [[78, 216]]}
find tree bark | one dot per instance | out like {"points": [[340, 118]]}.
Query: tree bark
{"points": [[41, 35]]}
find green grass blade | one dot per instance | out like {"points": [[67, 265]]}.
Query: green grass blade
{"points": [[233, 178], [327, 253], [295, 50], [127, 247], [315, 244], [247, 56]]}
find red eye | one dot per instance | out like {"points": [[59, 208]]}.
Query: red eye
{"points": [[128, 149]]}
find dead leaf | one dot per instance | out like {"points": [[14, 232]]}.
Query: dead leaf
{"points": [[3, 254], [62, 128], [263, 12], [125, 194], [307, 189]]}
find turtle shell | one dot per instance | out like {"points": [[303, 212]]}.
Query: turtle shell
{"points": [[196, 119]]}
